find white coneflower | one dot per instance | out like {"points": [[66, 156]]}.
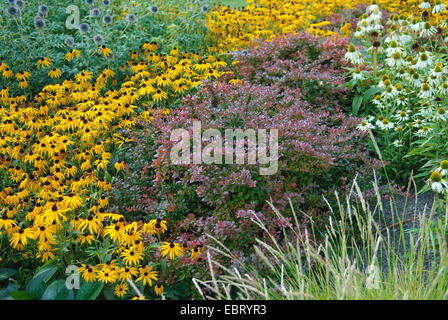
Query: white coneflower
{"points": [[377, 100], [425, 5], [402, 116], [416, 80], [384, 82], [406, 39], [438, 71], [441, 114], [372, 8], [428, 30], [402, 74], [389, 93], [443, 169], [443, 89], [398, 143], [437, 183], [353, 55], [417, 24], [385, 124], [394, 48], [395, 60], [402, 101], [425, 91], [358, 75], [424, 60], [444, 23], [439, 7], [424, 131], [365, 125]]}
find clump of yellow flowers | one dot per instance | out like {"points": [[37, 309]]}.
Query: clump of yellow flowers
{"points": [[56, 160], [237, 28]]}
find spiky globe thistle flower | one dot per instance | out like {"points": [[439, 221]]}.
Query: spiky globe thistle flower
{"points": [[69, 41], [95, 12], [131, 17], [20, 4], [84, 27], [98, 39], [43, 10], [13, 11], [39, 23], [107, 19]]}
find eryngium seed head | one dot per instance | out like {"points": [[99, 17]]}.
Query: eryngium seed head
{"points": [[13, 11], [39, 23], [89, 2], [69, 41], [84, 27], [107, 19], [154, 9], [95, 12], [20, 4], [131, 17], [98, 39], [106, 2], [43, 10]]}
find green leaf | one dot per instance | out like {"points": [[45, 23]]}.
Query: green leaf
{"points": [[37, 283], [20, 295], [89, 291], [109, 294], [57, 290], [163, 266], [5, 273], [4, 293], [181, 289], [356, 104], [425, 188], [369, 93]]}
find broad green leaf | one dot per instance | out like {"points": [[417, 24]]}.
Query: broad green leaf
{"points": [[6, 273], [37, 283], [163, 266], [4, 293], [356, 104], [57, 290], [89, 291], [20, 295]]}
